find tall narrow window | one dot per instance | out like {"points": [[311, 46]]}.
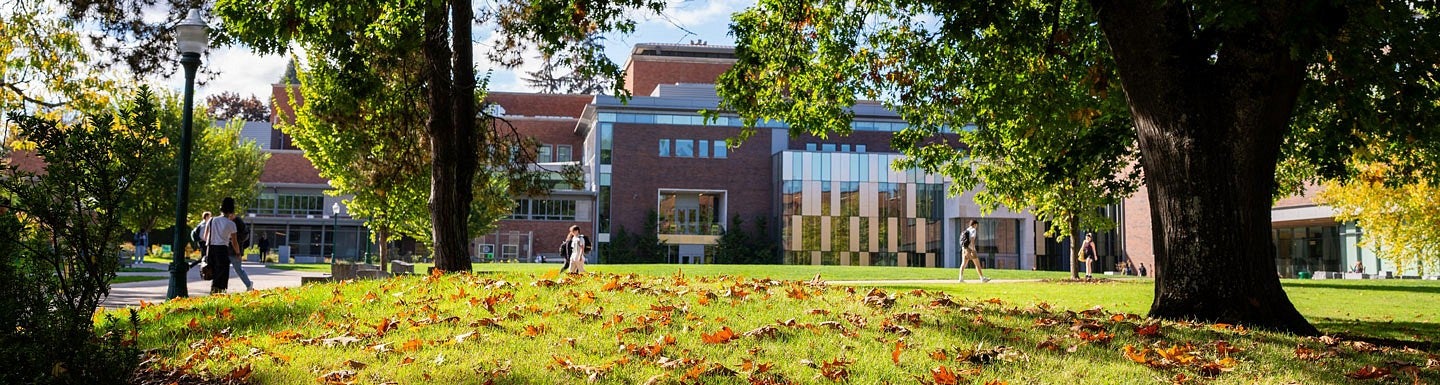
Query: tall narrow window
{"points": [[543, 154], [664, 147], [704, 149], [562, 153], [719, 149]]}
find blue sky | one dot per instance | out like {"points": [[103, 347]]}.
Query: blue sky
{"points": [[246, 73]]}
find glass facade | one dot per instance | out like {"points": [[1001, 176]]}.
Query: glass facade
{"points": [[691, 213], [1313, 248], [853, 209]]}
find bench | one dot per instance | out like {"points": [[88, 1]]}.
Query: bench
{"points": [[401, 267]]}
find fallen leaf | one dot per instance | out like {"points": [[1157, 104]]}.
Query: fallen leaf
{"points": [[895, 354], [719, 337], [1368, 372], [943, 376], [353, 364], [412, 345]]}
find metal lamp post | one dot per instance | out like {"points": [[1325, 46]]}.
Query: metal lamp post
{"points": [[191, 37]]}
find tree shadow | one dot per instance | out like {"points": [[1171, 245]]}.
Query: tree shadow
{"points": [[1430, 289], [1418, 335]]}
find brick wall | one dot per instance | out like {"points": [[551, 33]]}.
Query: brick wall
{"points": [[639, 172], [551, 131], [1139, 234], [547, 234], [644, 72], [282, 113]]}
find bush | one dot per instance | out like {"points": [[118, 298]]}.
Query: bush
{"points": [[59, 232]]}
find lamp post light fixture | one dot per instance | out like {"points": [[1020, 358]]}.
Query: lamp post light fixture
{"points": [[191, 36]]}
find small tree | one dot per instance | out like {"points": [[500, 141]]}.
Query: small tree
{"points": [[229, 105], [1400, 222], [66, 224]]}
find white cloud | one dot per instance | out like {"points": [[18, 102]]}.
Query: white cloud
{"points": [[241, 71]]}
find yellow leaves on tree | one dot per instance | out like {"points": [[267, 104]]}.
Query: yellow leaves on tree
{"points": [[1400, 222]]}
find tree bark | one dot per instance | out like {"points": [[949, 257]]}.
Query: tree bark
{"points": [[1075, 252], [449, 179], [1211, 108]]}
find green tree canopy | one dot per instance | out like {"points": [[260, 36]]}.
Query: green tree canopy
{"points": [[1205, 92], [224, 165]]}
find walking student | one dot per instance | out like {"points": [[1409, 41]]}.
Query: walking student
{"points": [[968, 253], [1087, 253], [579, 246], [220, 242], [242, 237]]}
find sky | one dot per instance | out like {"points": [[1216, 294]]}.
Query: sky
{"points": [[246, 73]]}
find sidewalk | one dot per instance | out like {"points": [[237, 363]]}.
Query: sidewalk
{"points": [[130, 294]]}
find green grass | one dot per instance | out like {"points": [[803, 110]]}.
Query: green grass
{"points": [[325, 267], [139, 270], [779, 272], [135, 278], [425, 330]]}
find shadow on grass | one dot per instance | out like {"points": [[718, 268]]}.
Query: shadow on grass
{"points": [[1418, 335], [1430, 289]]}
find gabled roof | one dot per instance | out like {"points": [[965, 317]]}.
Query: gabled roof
{"points": [[290, 167]]}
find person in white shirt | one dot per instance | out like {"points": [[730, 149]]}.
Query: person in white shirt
{"points": [[220, 241], [968, 253]]}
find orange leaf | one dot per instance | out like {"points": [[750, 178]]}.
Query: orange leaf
{"points": [[412, 345], [1148, 330], [797, 293], [534, 330], [225, 314], [939, 355], [720, 337], [1137, 356], [241, 374], [385, 325], [194, 323], [895, 354], [1368, 372], [1117, 318], [943, 376], [407, 360], [613, 285]]}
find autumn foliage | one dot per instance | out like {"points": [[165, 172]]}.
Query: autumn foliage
{"points": [[632, 329]]}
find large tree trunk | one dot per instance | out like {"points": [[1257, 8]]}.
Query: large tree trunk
{"points": [[1211, 109], [449, 179]]}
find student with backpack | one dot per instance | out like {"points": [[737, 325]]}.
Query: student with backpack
{"points": [[574, 249], [968, 253]]}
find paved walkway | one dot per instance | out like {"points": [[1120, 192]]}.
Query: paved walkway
{"points": [[130, 294]]}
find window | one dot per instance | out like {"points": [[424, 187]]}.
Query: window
{"points": [[544, 210], [684, 148], [859, 148], [704, 149], [844, 148], [810, 147], [543, 154], [664, 147], [562, 153], [828, 147], [296, 204], [719, 149]]}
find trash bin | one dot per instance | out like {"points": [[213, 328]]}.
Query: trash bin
{"points": [[1303, 275], [283, 253]]}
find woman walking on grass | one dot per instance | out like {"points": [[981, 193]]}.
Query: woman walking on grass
{"points": [[579, 246]]}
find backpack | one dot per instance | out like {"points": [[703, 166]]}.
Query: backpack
{"points": [[585, 240], [565, 248], [198, 235], [965, 239], [242, 233]]}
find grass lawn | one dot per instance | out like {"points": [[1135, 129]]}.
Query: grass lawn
{"points": [[517, 328], [779, 272], [139, 270], [135, 278]]}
